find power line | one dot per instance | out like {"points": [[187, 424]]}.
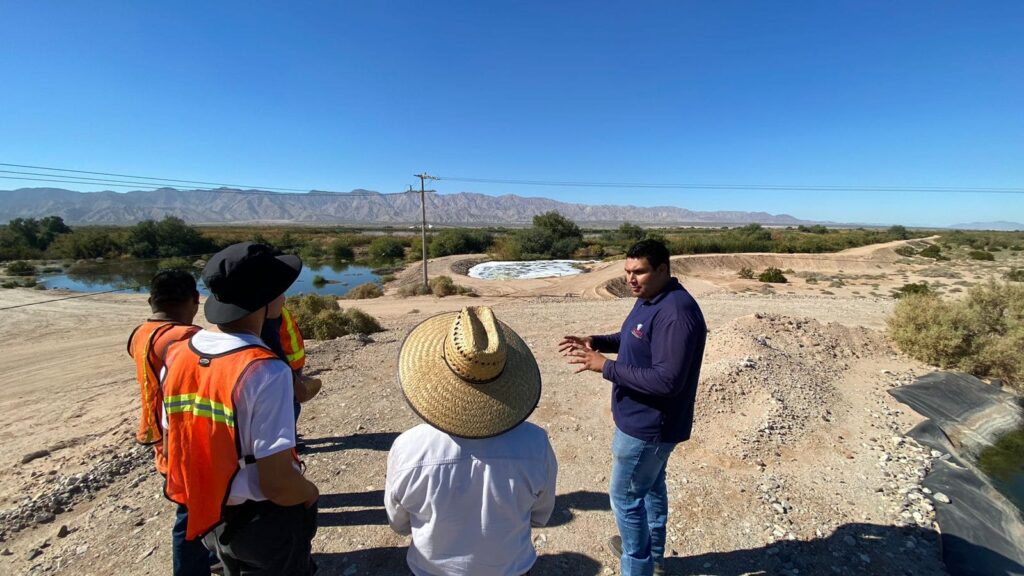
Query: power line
{"points": [[217, 184], [69, 297], [741, 187]]}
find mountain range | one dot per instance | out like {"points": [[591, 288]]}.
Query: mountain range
{"points": [[998, 225], [363, 207]]}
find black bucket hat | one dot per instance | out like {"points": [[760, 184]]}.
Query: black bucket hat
{"points": [[245, 277]]}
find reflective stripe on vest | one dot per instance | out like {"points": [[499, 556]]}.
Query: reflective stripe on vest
{"points": [[143, 347], [291, 341], [202, 446]]}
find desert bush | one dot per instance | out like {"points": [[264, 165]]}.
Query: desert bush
{"points": [[773, 275], [933, 251], [459, 241], [980, 255], [364, 291], [340, 249], [386, 248], [746, 273], [982, 334], [442, 286], [21, 268], [321, 318], [912, 289], [1015, 275], [905, 251], [416, 289], [387, 278], [9, 284], [836, 283]]}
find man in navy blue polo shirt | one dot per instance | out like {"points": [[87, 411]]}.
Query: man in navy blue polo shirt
{"points": [[654, 386]]}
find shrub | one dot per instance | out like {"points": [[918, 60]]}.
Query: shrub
{"points": [[386, 248], [459, 241], [980, 255], [773, 275], [912, 289], [416, 289], [1015, 275], [746, 273], [933, 251], [387, 278], [341, 249], [21, 268], [365, 291], [9, 284], [321, 318], [442, 286], [319, 280], [982, 334], [905, 251]]}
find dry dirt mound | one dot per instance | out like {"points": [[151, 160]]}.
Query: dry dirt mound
{"points": [[770, 379]]}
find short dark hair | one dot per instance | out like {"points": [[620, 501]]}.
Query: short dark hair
{"points": [[172, 287], [653, 250]]}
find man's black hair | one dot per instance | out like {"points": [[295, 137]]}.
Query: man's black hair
{"points": [[653, 250], [172, 287]]}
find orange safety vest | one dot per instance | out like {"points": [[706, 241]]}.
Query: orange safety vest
{"points": [[291, 341], [203, 454], [147, 345]]}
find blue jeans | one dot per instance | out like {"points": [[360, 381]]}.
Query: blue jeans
{"points": [[640, 501], [189, 557]]}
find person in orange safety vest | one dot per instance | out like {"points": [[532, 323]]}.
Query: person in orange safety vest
{"points": [[174, 302], [229, 425]]}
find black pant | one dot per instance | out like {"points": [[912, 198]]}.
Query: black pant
{"points": [[264, 539]]}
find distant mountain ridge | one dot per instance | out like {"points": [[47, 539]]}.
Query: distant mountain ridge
{"points": [[998, 225], [230, 206]]}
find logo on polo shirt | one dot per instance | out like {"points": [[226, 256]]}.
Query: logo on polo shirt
{"points": [[638, 331]]}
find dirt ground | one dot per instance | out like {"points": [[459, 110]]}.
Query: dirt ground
{"points": [[797, 464]]}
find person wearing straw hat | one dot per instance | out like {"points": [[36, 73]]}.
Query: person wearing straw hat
{"points": [[654, 387], [230, 427], [469, 484]]}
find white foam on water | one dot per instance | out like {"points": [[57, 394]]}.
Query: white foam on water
{"points": [[522, 270]]}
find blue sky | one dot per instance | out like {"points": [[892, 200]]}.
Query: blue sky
{"points": [[343, 95]]}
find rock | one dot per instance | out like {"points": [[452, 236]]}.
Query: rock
{"points": [[6, 552], [145, 554], [63, 531], [33, 554], [34, 455], [940, 497]]}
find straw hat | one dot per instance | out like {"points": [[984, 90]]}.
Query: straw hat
{"points": [[468, 374]]}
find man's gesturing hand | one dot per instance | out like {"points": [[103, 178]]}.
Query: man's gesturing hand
{"points": [[580, 350]]}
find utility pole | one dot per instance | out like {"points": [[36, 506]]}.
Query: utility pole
{"points": [[423, 228]]}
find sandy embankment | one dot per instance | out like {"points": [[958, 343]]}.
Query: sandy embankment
{"points": [[794, 467]]}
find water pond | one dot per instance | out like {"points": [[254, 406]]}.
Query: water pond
{"points": [[1004, 465], [100, 276], [521, 270]]}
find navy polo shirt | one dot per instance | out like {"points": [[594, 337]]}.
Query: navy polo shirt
{"points": [[654, 378]]}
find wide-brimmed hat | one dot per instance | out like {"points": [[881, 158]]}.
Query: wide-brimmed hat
{"points": [[468, 374], [245, 277]]}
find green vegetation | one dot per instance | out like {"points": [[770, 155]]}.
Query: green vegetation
{"points": [[365, 291], [910, 289], [905, 251], [552, 236], [386, 248], [933, 251], [442, 286], [319, 280], [746, 273], [28, 238], [980, 255], [983, 334], [321, 318], [1015, 275], [773, 275], [20, 268]]}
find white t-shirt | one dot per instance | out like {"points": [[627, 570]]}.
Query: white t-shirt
{"points": [[469, 504], [264, 412]]}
